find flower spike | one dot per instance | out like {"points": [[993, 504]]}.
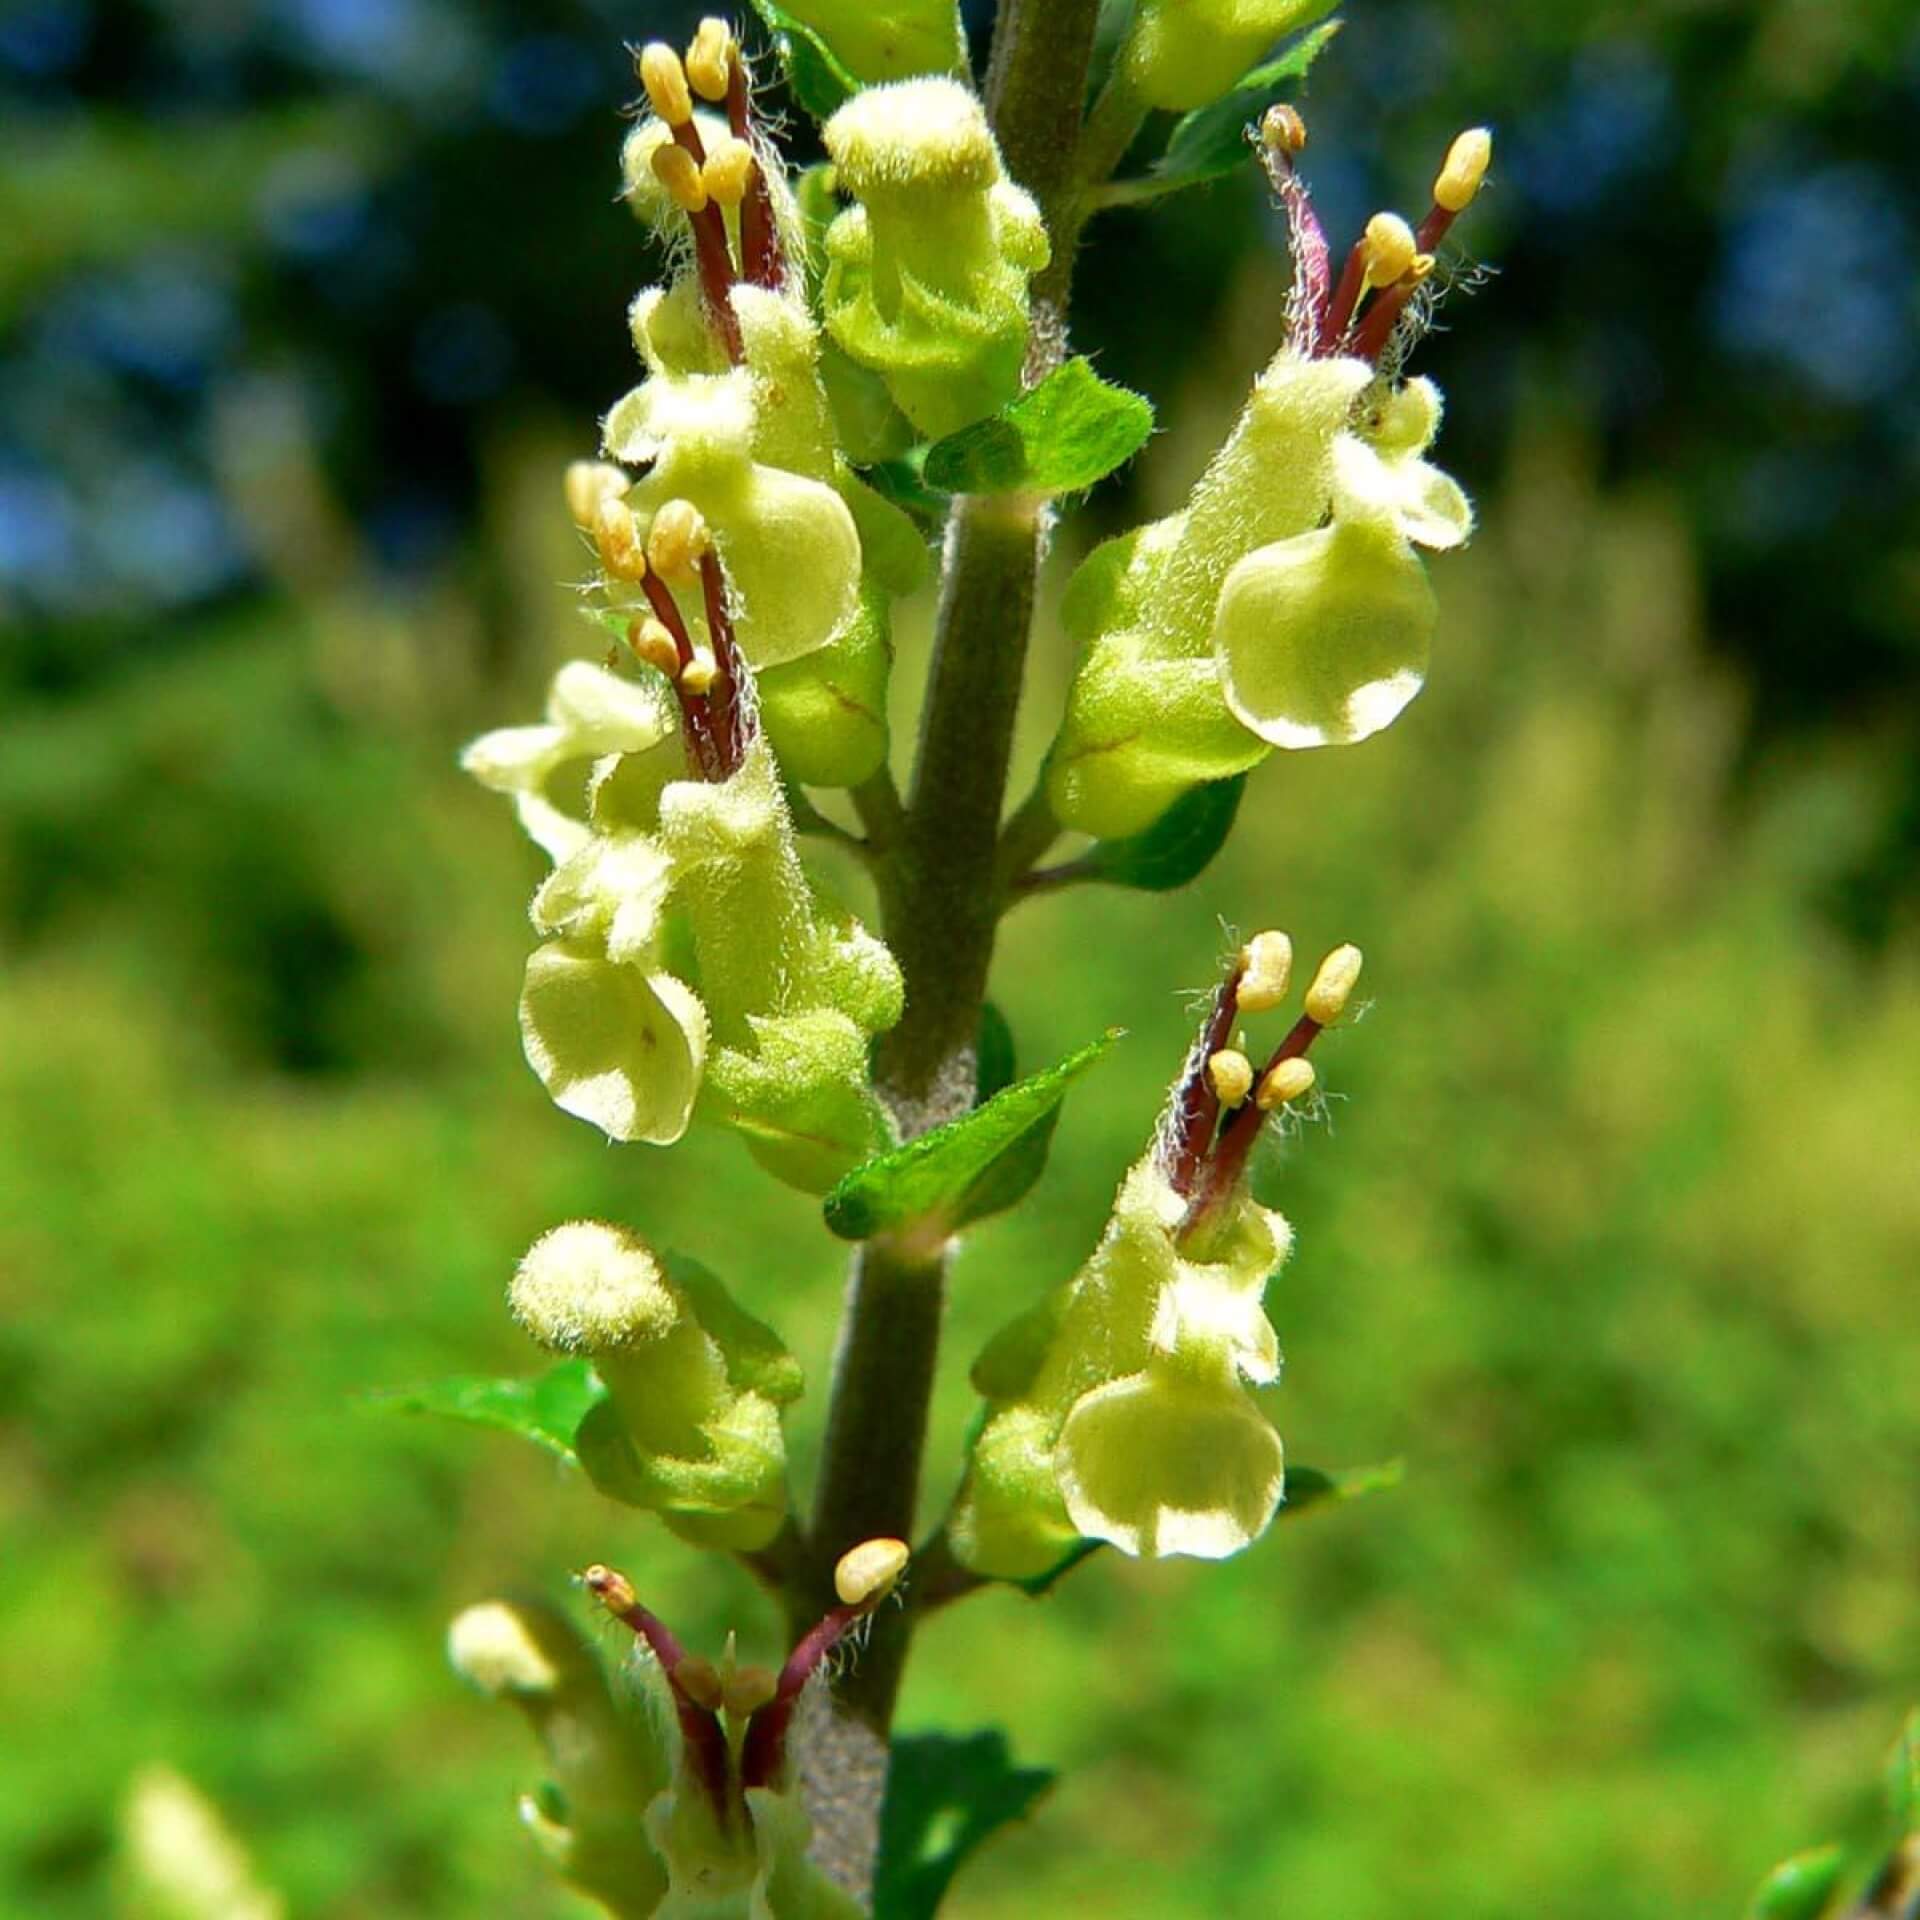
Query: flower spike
{"points": [[1119, 1410]]}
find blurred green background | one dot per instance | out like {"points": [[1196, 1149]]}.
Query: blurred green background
{"points": [[1615, 1238]]}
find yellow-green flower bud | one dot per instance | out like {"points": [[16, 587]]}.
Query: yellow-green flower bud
{"points": [[795, 990], [927, 276], [1183, 53], [826, 713], [605, 1764], [181, 1862], [691, 1424], [1120, 1410], [883, 42]]}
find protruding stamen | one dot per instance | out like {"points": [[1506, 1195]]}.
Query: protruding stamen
{"points": [[588, 482], [617, 536], [1282, 130], [699, 674], [1333, 985], [1283, 134], [1457, 184], [651, 642], [728, 174], [665, 80], [1266, 966], [864, 1575], [678, 541], [700, 1728], [1389, 250], [1284, 1083], [1464, 169], [676, 170], [710, 58], [1231, 1074], [1194, 1108], [611, 1588]]}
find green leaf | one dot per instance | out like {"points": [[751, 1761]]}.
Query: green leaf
{"points": [[820, 82], [1211, 141], [992, 1054], [1800, 1888], [982, 1163], [547, 1410], [1059, 437], [1310, 1488], [1178, 847], [944, 1796]]}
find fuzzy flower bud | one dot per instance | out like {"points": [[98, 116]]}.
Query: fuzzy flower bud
{"points": [[691, 1424], [880, 43], [927, 276], [1183, 53], [605, 1765], [182, 1863]]}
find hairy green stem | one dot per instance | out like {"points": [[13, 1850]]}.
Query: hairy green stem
{"points": [[940, 902]]}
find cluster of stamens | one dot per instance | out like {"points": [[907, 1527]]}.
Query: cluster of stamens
{"points": [[734, 1719], [708, 184], [715, 692], [1221, 1100], [1375, 298]]}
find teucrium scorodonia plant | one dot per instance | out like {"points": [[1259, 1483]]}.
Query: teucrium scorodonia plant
{"points": [[902, 310]]}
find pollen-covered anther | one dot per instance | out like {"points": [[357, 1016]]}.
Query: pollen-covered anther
{"points": [[652, 643], [1290, 1080], [1463, 170], [1333, 985], [746, 1690], [699, 1679], [677, 542], [728, 173], [710, 58], [1282, 130], [1230, 1074], [611, 1588], [589, 482], [699, 674], [864, 1575], [617, 536], [1389, 249], [1266, 966], [665, 80], [677, 170]]}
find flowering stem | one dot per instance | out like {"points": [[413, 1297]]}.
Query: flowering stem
{"points": [[940, 905]]}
